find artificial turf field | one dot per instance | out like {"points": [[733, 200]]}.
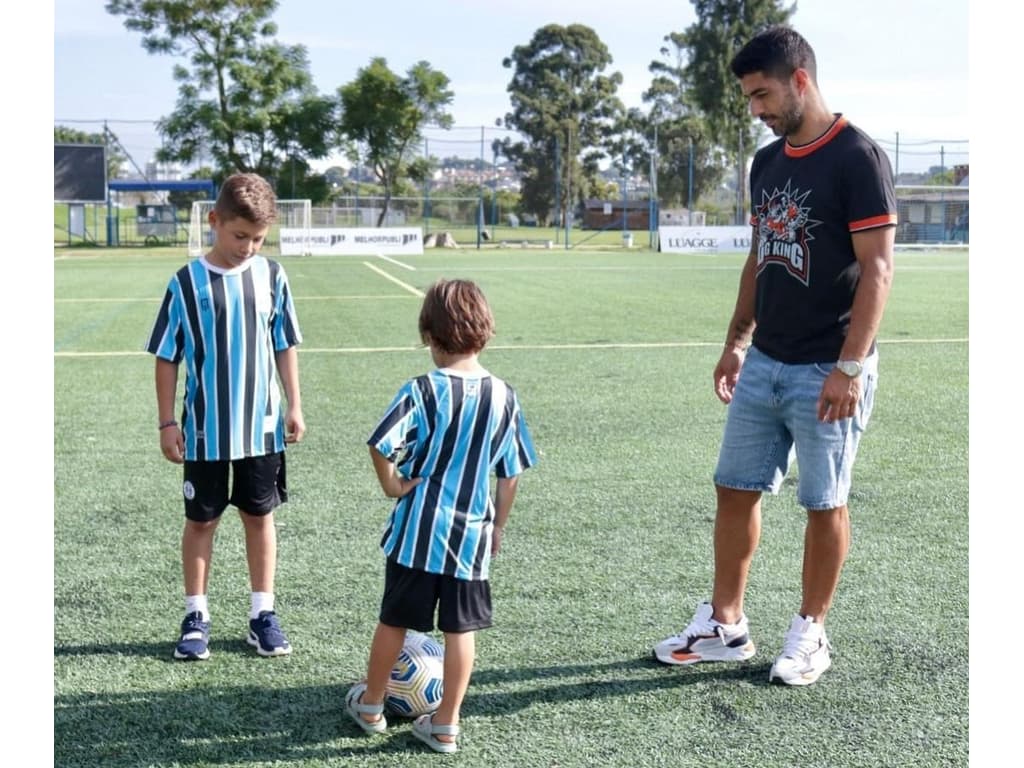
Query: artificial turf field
{"points": [[608, 548]]}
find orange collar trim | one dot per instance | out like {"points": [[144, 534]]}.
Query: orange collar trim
{"points": [[805, 149]]}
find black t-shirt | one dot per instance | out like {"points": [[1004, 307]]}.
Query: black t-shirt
{"points": [[806, 201]]}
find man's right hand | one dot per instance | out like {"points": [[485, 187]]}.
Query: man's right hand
{"points": [[727, 372]]}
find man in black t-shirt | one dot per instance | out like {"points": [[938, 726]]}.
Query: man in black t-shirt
{"points": [[800, 364]]}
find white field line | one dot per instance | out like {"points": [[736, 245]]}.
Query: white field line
{"points": [[396, 262], [402, 296], [419, 294], [411, 289], [661, 268], [151, 299], [515, 347], [157, 299]]}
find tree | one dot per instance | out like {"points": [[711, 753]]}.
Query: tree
{"points": [[940, 176], [116, 157], [244, 100], [183, 200], [568, 112], [383, 115], [689, 161], [721, 29]]}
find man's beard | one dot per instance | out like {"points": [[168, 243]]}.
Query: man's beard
{"points": [[789, 120]]}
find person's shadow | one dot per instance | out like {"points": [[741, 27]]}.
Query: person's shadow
{"points": [[228, 725]]}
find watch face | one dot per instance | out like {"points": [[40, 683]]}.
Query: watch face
{"points": [[849, 367]]}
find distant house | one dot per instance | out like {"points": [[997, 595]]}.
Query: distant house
{"points": [[681, 217], [932, 215], [608, 214]]}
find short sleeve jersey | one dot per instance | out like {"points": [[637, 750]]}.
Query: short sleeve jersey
{"points": [[806, 203], [226, 326], [454, 430]]}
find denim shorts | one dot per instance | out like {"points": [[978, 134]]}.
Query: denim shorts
{"points": [[773, 420]]}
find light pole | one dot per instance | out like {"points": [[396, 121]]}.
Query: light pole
{"points": [[426, 188], [494, 190], [359, 164], [625, 233], [689, 187]]}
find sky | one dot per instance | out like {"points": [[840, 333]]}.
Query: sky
{"points": [[896, 68]]}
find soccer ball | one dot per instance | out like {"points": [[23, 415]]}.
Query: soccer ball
{"points": [[417, 679]]}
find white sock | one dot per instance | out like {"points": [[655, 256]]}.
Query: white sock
{"points": [[194, 603], [261, 601]]}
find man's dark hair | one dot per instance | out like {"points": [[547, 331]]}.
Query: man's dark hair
{"points": [[777, 52]]}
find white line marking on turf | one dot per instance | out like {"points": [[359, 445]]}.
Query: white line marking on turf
{"points": [[396, 262], [661, 267], [156, 300], [401, 296], [519, 347], [152, 299], [414, 291]]}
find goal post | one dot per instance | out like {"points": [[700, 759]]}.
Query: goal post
{"points": [[293, 215]]}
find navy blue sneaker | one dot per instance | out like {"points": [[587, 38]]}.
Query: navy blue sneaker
{"points": [[194, 644], [266, 635]]}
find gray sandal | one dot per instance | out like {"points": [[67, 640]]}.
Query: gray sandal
{"points": [[423, 728], [355, 709]]}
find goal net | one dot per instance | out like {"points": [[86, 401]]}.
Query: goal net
{"points": [[292, 215], [932, 216]]}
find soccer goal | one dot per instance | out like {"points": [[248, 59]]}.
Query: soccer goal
{"points": [[932, 216], [294, 215]]}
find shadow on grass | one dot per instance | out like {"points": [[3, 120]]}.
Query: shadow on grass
{"points": [[234, 725], [211, 726], [158, 651], [603, 680]]}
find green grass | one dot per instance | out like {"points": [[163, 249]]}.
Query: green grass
{"points": [[609, 544]]}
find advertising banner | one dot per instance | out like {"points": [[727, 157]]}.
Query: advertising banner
{"points": [[361, 241], [710, 240]]}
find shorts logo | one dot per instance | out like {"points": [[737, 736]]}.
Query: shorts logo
{"points": [[189, 490]]}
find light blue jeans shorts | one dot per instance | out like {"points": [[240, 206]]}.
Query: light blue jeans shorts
{"points": [[773, 420]]}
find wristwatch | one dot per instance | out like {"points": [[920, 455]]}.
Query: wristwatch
{"points": [[851, 368]]}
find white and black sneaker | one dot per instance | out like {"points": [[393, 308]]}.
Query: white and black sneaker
{"points": [[806, 653], [706, 639]]}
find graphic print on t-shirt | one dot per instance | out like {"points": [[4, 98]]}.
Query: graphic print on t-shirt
{"points": [[783, 231]]}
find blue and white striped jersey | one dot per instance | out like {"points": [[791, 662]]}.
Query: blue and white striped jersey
{"points": [[452, 429], [226, 326]]}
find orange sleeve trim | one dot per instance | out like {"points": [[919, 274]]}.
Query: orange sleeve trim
{"points": [[888, 219]]}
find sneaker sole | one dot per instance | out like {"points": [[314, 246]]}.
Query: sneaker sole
{"points": [[738, 654], [191, 656], [255, 643], [804, 679]]}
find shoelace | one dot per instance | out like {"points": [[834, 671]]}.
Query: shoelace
{"points": [[194, 624], [271, 629], [798, 644], [193, 630], [698, 628]]}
